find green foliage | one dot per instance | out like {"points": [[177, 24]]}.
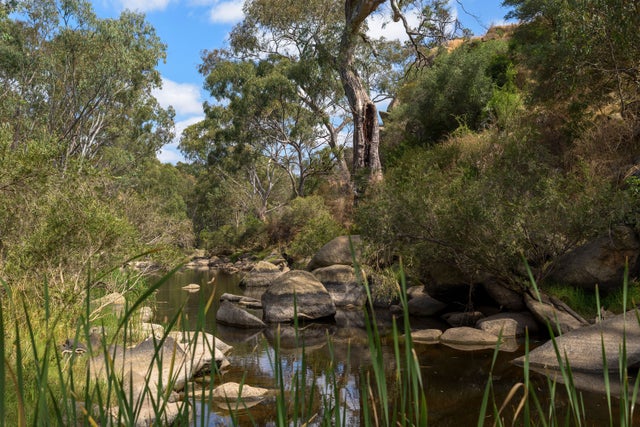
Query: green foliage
{"points": [[481, 202], [586, 304], [586, 52], [305, 226], [454, 91]]}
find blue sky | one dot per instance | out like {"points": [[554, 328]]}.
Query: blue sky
{"points": [[190, 26]]}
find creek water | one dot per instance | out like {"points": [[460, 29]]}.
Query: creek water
{"points": [[337, 354]]}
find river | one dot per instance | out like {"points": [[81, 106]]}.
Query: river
{"points": [[454, 380]]}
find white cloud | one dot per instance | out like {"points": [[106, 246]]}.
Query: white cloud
{"points": [[381, 25], [170, 152], [184, 97], [144, 5], [226, 12]]}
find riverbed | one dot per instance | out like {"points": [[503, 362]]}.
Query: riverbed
{"points": [[454, 380]]}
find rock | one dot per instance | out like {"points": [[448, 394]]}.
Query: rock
{"points": [[426, 336], [337, 251], [582, 348], [416, 291], [462, 319], [261, 275], [505, 327], [506, 298], [242, 300], [600, 262], [146, 314], [343, 285], [523, 321], [152, 329], [425, 306], [311, 298], [447, 283], [198, 263], [232, 315], [191, 288], [561, 318], [466, 335], [396, 309], [232, 394]]}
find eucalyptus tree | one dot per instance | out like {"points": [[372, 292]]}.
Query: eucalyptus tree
{"points": [[82, 81], [329, 41], [589, 49]]}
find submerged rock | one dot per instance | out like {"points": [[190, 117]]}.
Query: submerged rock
{"points": [[466, 338], [426, 336]]}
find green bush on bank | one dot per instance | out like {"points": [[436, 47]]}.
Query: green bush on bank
{"points": [[481, 202]]}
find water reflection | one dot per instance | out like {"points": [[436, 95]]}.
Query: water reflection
{"points": [[337, 357]]}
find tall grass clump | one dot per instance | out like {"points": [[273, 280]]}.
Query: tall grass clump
{"points": [[401, 402]]}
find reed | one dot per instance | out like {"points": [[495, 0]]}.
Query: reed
{"points": [[39, 386]]}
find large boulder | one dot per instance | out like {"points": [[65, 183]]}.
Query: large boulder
{"points": [[312, 301], [337, 251], [261, 275], [343, 285], [506, 298], [600, 262], [583, 348], [230, 314]]}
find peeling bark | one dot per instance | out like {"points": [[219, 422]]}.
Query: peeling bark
{"points": [[366, 133]]}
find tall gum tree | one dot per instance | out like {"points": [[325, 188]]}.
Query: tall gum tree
{"points": [[366, 128]]}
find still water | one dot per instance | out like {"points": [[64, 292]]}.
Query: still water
{"points": [[454, 380]]}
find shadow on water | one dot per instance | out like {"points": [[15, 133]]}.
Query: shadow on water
{"points": [[454, 380]]}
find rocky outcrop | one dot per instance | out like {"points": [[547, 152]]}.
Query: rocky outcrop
{"points": [[582, 348], [261, 275], [230, 314], [153, 371], [343, 285], [311, 299], [600, 262], [337, 251]]}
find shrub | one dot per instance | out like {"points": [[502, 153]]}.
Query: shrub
{"points": [[305, 226], [454, 91], [482, 202]]}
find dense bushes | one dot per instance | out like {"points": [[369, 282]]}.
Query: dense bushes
{"points": [[454, 92], [482, 202]]}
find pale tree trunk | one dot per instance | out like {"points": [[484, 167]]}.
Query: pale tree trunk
{"points": [[366, 129]]}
